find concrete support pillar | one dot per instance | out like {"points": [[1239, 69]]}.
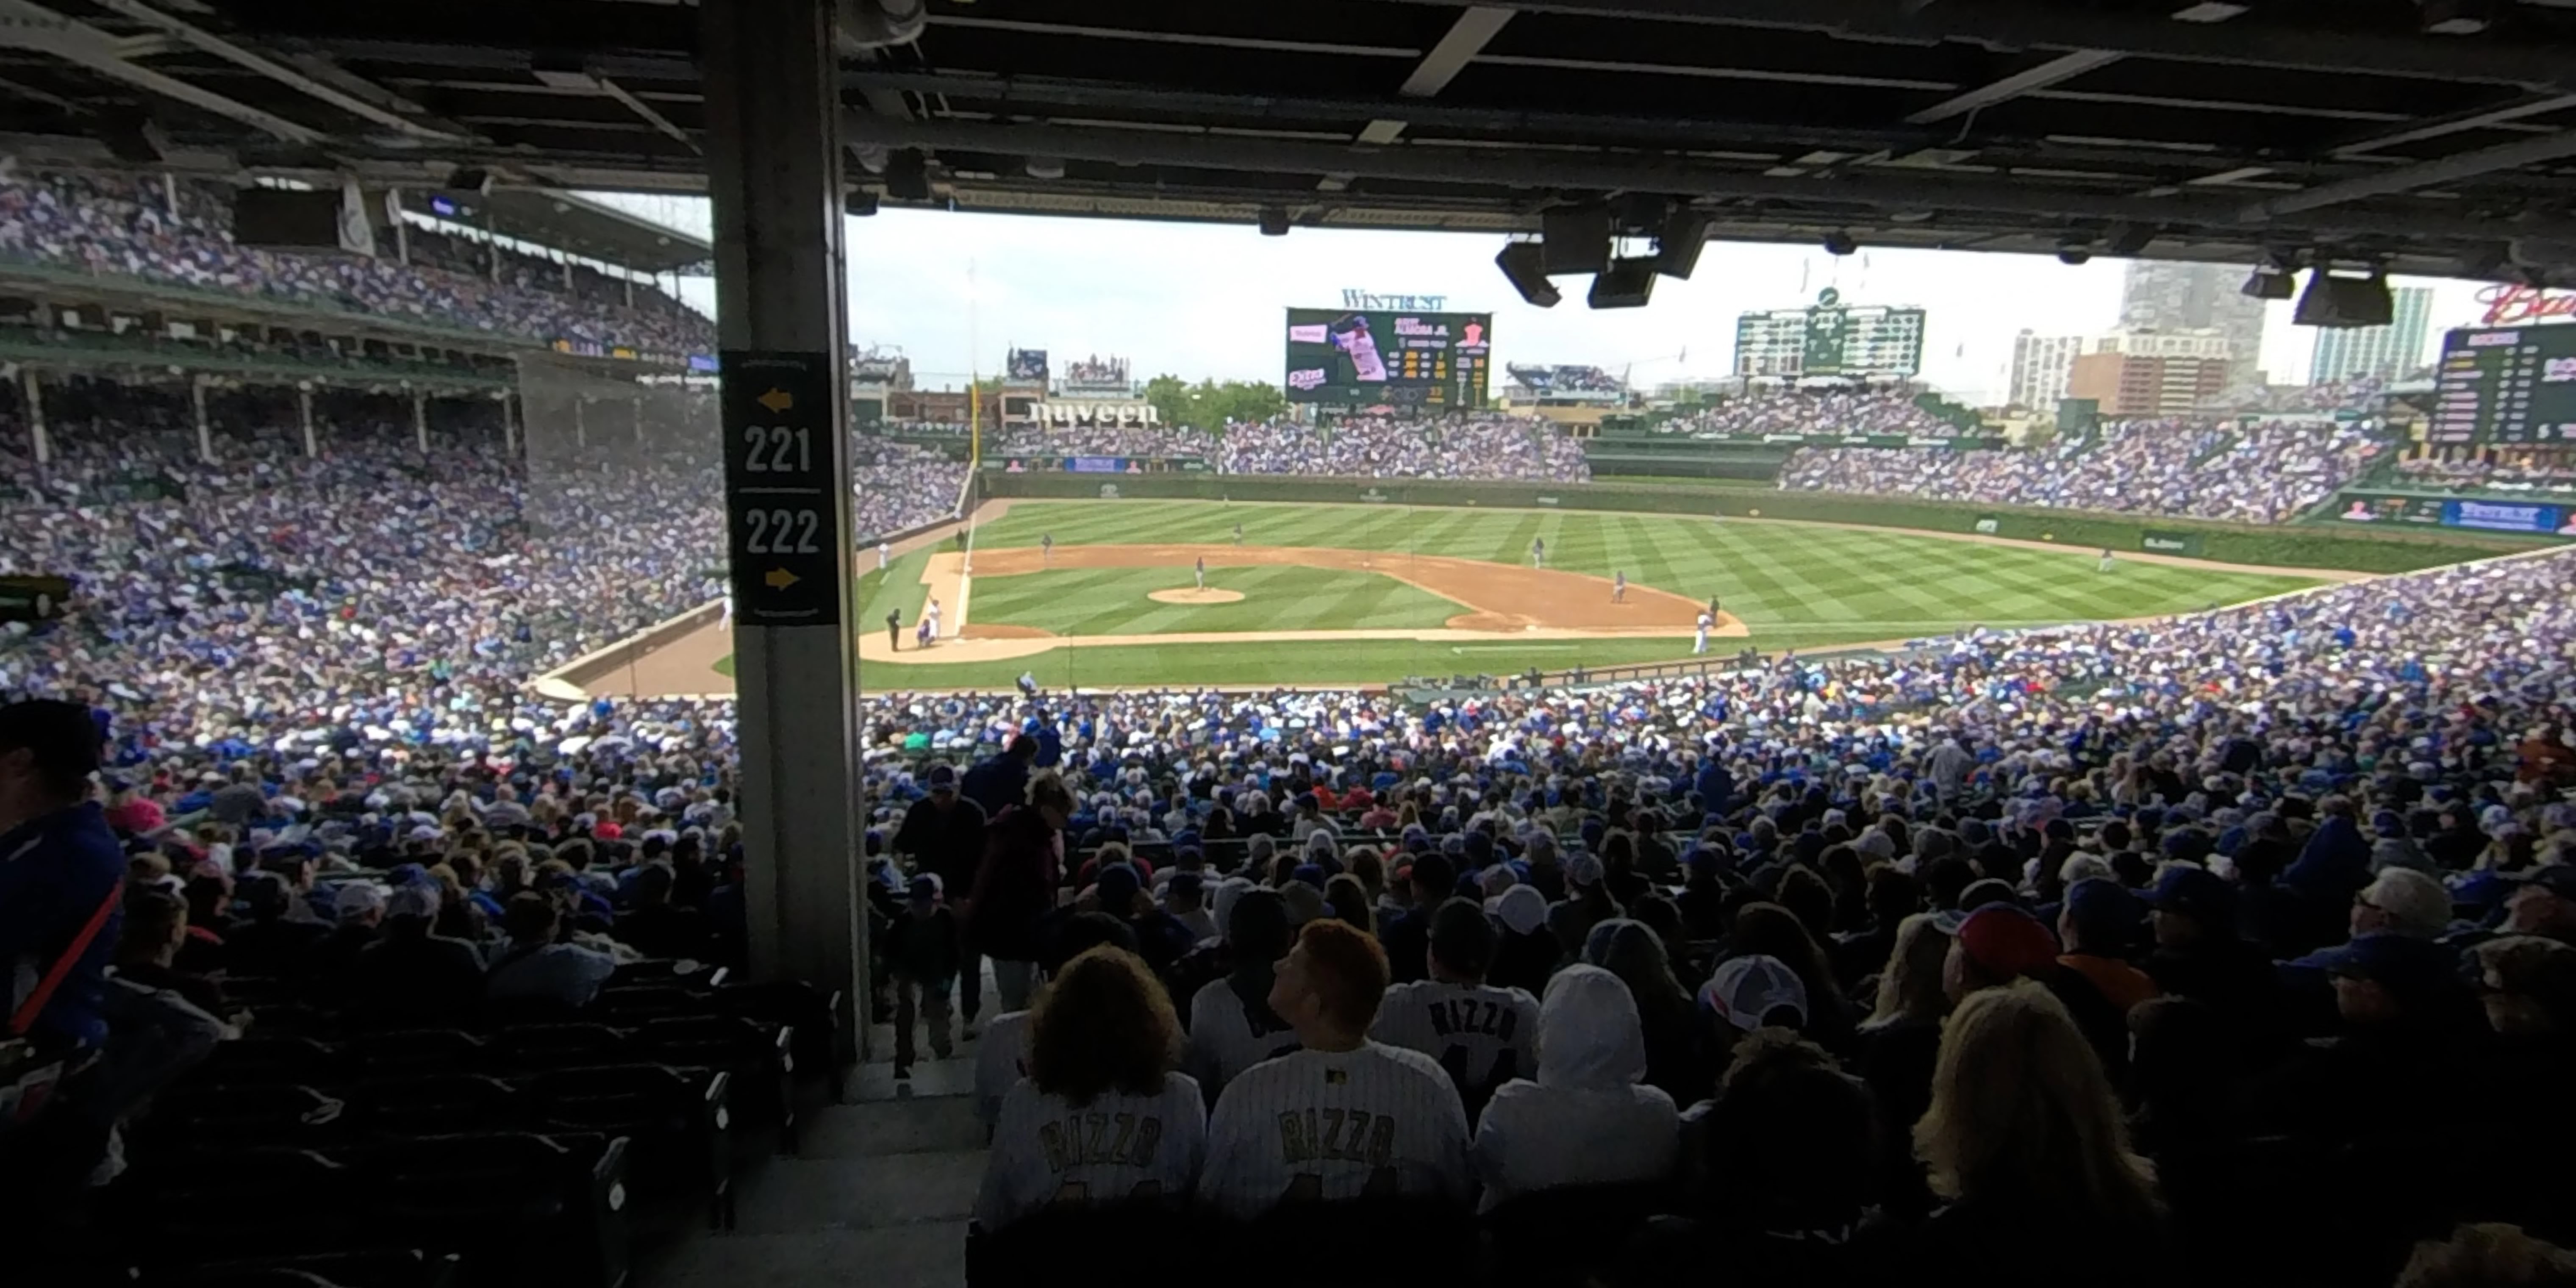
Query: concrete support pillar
{"points": [[304, 416], [581, 422], [509, 423], [205, 424], [39, 441], [420, 420], [773, 146]]}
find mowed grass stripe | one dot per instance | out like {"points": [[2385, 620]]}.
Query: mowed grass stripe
{"points": [[1116, 601]]}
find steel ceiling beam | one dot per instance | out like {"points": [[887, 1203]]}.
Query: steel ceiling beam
{"points": [[1474, 29], [2037, 24], [2423, 174], [2055, 71], [207, 42], [1542, 171], [25, 25], [2460, 124]]}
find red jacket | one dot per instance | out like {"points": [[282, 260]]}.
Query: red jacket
{"points": [[1014, 885]]}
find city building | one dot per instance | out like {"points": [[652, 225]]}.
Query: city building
{"points": [[2040, 366], [2388, 352], [1832, 339], [2162, 296], [2142, 373]]}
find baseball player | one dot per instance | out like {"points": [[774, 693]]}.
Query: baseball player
{"points": [[1699, 644], [2105, 565], [1618, 588], [894, 630], [1046, 548], [1238, 534], [727, 620], [1345, 1117], [884, 552], [930, 618], [1232, 1027], [1538, 553], [1202, 572], [1483, 1036]]}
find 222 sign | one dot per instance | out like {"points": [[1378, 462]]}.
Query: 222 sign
{"points": [[782, 489]]}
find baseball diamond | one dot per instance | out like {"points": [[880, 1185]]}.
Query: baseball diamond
{"points": [[1102, 594]]}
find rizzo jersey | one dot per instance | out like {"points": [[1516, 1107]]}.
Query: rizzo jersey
{"points": [[1047, 1151], [1335, 1125], [1483, 1037], [1225, 1040]]}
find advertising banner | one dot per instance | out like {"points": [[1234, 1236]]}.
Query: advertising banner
{"points": [[2458, 512], [2169, 543]]}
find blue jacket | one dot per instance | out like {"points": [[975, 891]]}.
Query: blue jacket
{"points": [[54, 873], [2335, 862]]}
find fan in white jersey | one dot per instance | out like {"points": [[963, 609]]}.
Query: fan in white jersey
{"points": [[1482, 1036], [1003, 1054], [1102, 1116], [1587, 1120], [1232, 1027], [1344, 1118]]}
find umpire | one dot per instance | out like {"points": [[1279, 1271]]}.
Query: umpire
{"points": [[894, 629]]}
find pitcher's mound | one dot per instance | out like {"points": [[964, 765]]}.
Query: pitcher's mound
{"points": [[1193, 595]]}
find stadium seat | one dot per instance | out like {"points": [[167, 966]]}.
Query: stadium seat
{"points": [[679, 1123], [1374, 1241], [761, 1058], [1560, 1238], [1160, 1245], [813, 1013]]}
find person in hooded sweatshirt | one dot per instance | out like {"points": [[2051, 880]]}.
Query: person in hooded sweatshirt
{"points": [[1232, 1027], [1529, 951], [1588, 1119]]}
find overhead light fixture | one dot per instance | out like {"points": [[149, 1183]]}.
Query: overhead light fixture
{"points": [[1044, 167], [862, 202], [1678, 243], [2269, 283], [2128, 241], [2459, 17], [1578, 238], [1274, 222], [2339, 301], [907, 175], [1627, 284], [2074, 251], [1839, 242], [2207, 11], [1524, 265]]}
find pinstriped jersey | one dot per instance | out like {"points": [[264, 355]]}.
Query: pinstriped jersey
{"points": [[1047, 1151], [1336, 1125], [1225, 1041], [1482, 1037]]}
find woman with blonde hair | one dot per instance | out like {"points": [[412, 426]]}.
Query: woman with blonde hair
{"points": [[1103, 1115], [2026, 1143]]}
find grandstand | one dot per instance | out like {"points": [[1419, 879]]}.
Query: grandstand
{"points": [[507, 781]]}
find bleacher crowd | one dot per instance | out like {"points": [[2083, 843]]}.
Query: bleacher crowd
{"points": [[1793, 411], [2538, 474], [2267, 474], [124, 224], [1470, 446]]}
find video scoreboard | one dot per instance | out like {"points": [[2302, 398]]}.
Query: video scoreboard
{"points": [[1364, 357], [2511, 385]]}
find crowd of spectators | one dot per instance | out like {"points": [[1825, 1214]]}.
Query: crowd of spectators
{"points": [[1471, 446], [1827, 411], [124, 224], [265, 599], [1099, 440], [2553, 474], [2266, 474]]}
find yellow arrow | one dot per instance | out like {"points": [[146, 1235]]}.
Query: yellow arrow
{"points": [[780, 578], [777, 399]]}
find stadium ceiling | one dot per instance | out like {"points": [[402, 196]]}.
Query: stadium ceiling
{"points": [[2434, 136]]}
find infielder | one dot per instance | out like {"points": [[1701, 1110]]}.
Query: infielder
{"points": [[1202, 572], [1344, 1118], [727, 620], [1046, 548], [884, 552], [1618, 588], [1700, 645], [1483, 1036], [1238, 534], [1538, 553]]}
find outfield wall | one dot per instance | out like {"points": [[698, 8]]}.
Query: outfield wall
{"points": [[2282, 546]]}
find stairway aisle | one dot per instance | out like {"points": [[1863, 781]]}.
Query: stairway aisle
{"points": [[879, 1194]]}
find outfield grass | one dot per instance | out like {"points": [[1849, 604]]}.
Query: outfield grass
{"points": [[1113, 601], [1794, 586]]}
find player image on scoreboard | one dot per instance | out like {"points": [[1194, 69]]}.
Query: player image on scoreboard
{"points": [[1351, 336]]}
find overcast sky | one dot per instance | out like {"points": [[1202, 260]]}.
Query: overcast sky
{"points": [[1204, 300]]}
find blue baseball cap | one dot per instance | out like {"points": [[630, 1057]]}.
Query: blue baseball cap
{"points": [[2402, 964], [2193, 892]]}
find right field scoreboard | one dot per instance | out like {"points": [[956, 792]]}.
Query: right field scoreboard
{"points": [[2511, 385], [1360, 357]]}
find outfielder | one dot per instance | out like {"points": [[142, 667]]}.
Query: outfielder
{"points": [[2105, 565], [1238, 534], [1344, 1118], [884, 552], [1538, 553]]}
